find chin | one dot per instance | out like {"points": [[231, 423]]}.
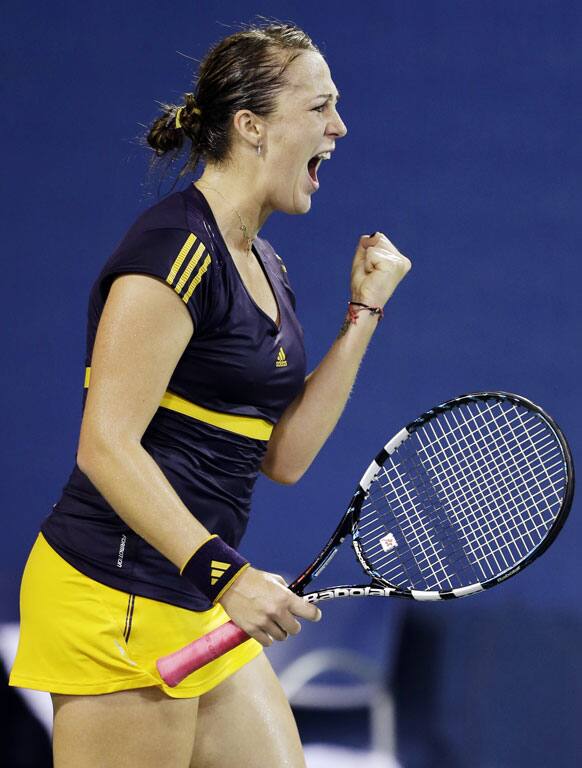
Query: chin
{"points": [[300, 206], [296, 205], [305, 208]]}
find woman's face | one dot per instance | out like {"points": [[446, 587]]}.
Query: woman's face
{"points": [[305, 124]]}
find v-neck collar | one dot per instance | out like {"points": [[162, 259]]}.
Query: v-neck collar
{"points": [[209, 215]]}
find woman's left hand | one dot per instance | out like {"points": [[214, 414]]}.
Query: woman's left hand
{"points": [[377, 269]]}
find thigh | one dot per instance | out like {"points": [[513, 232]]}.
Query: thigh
{"points": [[143, 727], [246, 722]]}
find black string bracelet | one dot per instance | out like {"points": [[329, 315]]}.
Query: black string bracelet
{"points": [[353, 312]]}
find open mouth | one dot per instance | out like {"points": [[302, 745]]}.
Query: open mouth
{"points": [[313, 166]]}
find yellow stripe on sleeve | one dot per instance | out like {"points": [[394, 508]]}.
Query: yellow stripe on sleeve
{"points": [[196, 280], [184, 250], [190, 268]]}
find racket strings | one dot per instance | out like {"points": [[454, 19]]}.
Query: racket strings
{"points": [[424, 560], [487, 475], [520, 463], [428, 554], [508, 509], [483, 479], [467, 497]]}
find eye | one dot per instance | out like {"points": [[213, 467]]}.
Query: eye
{"points": [[320, 108]]}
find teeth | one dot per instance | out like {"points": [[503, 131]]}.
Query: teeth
{"points": [[324, 155]]}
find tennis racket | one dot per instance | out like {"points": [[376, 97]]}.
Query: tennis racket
{"points": [[461, 499]]}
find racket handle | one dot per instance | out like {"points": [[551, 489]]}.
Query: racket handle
{"points": [[174, 667]]}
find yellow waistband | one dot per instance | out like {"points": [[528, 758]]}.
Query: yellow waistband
{"points": [[248, 426]]}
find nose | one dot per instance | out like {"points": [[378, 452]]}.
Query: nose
{"points": [[337, 127]]}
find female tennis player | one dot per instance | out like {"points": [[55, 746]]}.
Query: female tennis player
{"points": [[195, 381]]}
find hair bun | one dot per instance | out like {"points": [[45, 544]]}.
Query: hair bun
{"points": [[168, 130], [188, 116]]}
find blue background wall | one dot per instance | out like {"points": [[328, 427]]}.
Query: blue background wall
{"points": [[464, 147]]}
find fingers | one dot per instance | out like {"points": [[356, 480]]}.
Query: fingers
{"points": [[378, 258], [297, 607], [377, 269], [262, 637], [304, 610], [369, 241], [263, 605], [377, 237], [281, 622], [279, 627], [378, 252], [279, 630], [274, 630], [381, 246], [284, 625]]}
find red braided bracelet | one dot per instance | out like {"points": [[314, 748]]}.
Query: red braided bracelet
{"points": [[353, 313]]}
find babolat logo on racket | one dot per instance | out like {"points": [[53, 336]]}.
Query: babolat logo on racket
{"points": [[508, 574], [218, 569], [328, 594]]}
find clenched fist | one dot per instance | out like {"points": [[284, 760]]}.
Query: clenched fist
{"points": [[377, 269]]}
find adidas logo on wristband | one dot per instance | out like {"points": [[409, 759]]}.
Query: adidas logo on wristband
{"points": [[216, 559], [218, 569]]}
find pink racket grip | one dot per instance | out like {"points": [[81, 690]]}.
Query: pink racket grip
{"points": [[174, 667]]}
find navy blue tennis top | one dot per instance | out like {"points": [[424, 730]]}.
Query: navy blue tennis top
{"points": [[237, 375]]}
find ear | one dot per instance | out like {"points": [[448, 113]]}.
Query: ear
{"points": [[249, 127]]}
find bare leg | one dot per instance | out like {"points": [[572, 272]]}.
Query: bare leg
{"points": [[246, 722], [142, 728]]}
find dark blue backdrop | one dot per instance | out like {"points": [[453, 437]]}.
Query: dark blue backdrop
{"points": [[464, 147]]}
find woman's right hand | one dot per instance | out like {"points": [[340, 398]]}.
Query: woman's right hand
{"points": [[261, 604], [377, 268]]}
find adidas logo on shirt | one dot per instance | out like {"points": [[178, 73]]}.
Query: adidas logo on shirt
{"points": [[281, 361], [218, 569]]}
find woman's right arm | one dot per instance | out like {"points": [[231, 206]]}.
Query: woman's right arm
{"points": [[143, 332]]}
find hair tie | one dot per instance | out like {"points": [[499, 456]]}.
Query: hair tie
{"points": [[179, 111]]}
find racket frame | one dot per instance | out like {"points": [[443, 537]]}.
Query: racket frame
{"points": [[378, 586]]}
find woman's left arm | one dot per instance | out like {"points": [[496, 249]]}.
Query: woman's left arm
{"points": [[308, 421]]}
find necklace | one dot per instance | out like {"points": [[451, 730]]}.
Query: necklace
{"points": [[242, 226]]}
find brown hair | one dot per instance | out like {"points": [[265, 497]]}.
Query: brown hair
{"points": [[243, 71]]}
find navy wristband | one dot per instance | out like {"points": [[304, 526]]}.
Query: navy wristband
{"points": [[213, 567]]}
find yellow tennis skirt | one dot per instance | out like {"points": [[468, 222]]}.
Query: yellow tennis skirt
{"points": [[78, 636]]}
